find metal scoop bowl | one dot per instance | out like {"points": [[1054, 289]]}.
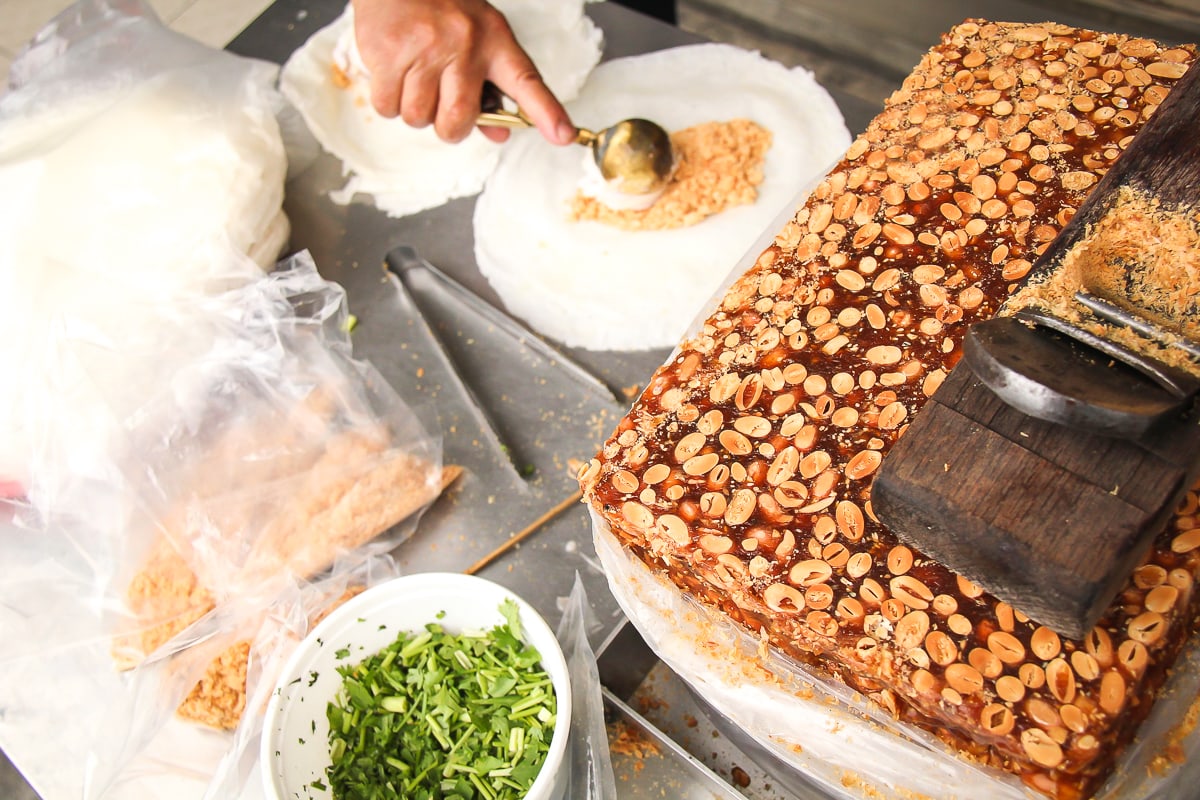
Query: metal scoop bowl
{"points": [[634, 155]]}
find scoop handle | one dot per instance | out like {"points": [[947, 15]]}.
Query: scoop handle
{"points": [[494, 114]]}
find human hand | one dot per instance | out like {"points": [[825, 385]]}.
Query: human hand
{"points": [[428, 60]]}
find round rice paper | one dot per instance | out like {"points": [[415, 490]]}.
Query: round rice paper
{"points": [[591, 285], [404, 170]]}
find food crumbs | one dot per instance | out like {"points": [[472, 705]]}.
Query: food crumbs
{"points": [[339, 77], [626, 740]]}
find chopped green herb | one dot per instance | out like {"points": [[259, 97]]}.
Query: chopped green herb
{"points": [[439, 716], [512, 615], [343, 652]]}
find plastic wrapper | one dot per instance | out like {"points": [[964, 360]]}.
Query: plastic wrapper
{"points": [[132, 159], [251, 470], [239, 643], [591, 773], [808, 722]]}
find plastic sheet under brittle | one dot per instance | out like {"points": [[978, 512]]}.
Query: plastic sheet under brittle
{"points": [[812, 724]]}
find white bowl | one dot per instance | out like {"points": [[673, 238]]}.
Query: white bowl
{"points": [[295, 747]]}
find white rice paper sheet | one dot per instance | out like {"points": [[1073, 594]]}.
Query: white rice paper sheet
{"points": [[595, 286], [838, 738], [404, 170]]}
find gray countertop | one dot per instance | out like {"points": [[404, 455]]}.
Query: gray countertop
{"points": [[534, 414]]}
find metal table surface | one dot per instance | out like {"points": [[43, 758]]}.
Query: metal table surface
{"points": [[546, 414], [351, 244]]}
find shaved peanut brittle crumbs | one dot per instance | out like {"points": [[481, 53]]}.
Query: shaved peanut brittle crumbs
{"points": [[341, 511], [1139, 255], [219, 697], [343, 491], [627, 740], [718, 166]]}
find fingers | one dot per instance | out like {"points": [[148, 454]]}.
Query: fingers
{"points": [[385, 97], [405, 45], [516, 75], [419, 98], [497, 135], [458, 106], [428, 60]]}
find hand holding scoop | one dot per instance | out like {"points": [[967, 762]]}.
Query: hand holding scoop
{"points": [[634, 155]]}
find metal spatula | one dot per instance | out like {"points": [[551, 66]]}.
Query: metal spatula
{"points": [[1051, 456]]}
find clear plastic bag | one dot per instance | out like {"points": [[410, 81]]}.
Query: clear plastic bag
{"points": [[263, 458], [591, 773], [133, 159]]}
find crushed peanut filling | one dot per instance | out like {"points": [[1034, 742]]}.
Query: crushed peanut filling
{"points": [[743, 472], [348, 490], [1140, 255], [218, 699], [718, 166]]}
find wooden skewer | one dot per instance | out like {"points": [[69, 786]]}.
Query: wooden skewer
{"points": [[525, 532]]}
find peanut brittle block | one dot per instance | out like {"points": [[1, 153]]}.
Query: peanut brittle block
{"points": [[743, 472]]}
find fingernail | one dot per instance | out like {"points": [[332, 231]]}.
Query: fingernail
{"points": [[565, 132]]}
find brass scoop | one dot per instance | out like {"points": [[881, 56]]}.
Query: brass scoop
{"points": [[635, 154]]}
